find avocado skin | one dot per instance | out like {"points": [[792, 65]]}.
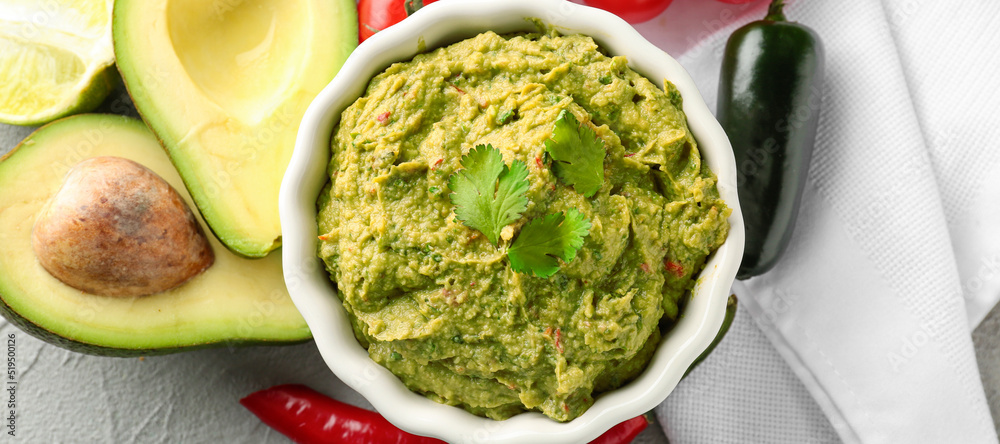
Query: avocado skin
{"points": [[97, 350]]}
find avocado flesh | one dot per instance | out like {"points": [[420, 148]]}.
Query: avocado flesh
{"points": [[223, 85], [235, 301]]}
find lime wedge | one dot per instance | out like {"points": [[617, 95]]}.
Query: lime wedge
{"points": [[56, 58]]}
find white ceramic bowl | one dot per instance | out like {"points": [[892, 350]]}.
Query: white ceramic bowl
{"points": [[437, 25]]}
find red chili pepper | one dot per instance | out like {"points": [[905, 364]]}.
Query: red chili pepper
{"points": [[645, 267], [460, 90], [306, 417], [538, 162], [383, 118], [437, 164], [623, 433]]}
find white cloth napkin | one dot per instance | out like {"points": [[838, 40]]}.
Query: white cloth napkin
{"points": [[896, 255]]}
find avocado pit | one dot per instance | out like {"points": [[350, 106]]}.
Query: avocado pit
{"points": [[117, 229]]}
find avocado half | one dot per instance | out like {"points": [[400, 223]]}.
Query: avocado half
{"points": [[236, 301], [224, 85]]}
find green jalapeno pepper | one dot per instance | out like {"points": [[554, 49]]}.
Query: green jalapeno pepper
{"points": [[769, 100]]}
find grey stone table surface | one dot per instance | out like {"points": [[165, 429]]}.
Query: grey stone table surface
{"points": [[63, 396], [986, 338]]}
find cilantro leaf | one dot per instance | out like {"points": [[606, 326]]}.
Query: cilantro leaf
{"points": [[486, 193], [542, 240], [578, 154]]}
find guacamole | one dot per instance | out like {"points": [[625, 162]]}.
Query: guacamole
{"points": [[437, 303]]}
